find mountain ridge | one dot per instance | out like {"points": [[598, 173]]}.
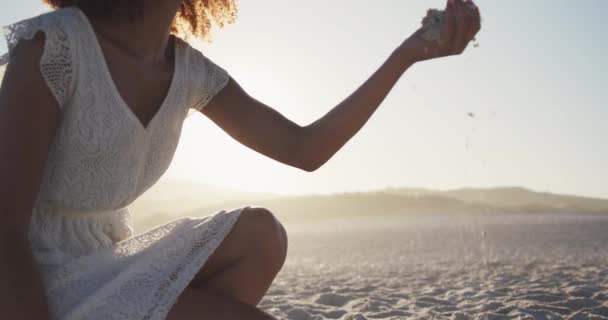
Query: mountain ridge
{"points": [[203, 201]]}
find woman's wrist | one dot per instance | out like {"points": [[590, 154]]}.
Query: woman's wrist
{"points": [[407, 55]]}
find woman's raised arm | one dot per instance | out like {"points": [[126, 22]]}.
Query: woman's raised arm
{"points": [[29, 115], [265, 130]]}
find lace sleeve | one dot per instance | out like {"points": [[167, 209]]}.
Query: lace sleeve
{"points": [[57, 61], [209, 80]]}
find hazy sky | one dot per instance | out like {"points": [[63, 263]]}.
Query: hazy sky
{"points": [[537, 86]]}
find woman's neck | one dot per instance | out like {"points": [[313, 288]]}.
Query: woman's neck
{"points": [[145, 37]]}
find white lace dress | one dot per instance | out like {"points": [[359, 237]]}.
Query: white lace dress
{"points": [[102, 158]]}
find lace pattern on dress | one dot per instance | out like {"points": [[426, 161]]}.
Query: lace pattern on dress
{"points": [[215, 78], [92, 264], [56, 63], [87, 232], [148, 285]]}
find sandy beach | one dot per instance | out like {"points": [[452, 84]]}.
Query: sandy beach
{"points": [[515, 266]]}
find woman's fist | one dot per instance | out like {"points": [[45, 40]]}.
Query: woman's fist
{"points": [[444, 33]]}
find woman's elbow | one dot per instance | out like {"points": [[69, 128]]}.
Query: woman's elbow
{"points": [[306, 154], [310, 165], [310, 168]]}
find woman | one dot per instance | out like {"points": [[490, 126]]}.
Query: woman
{"points": [[91, 108]]}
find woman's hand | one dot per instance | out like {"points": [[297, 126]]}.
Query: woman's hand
{"points": [[461, 23]]}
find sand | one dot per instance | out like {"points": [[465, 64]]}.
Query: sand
{"points": [[520, 266], [433, 23]]}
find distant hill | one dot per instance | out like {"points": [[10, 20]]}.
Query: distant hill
{"points": [[170, 200], [518, 198]]}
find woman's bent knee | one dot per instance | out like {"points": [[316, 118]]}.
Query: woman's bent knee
{"points": [[267, 232]]}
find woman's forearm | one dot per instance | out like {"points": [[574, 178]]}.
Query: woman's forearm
{"points": [[22, 294], [324, 137]]}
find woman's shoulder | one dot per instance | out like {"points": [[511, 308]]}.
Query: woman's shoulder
{"points": [[64, 22], [192, 52], [66, 17], [196, 59], [204, 77], [57, 61]]}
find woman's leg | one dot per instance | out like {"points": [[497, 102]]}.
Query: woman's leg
{"points": [[200, 304], [249, 258], [240, 270]]}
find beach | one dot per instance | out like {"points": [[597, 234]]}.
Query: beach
{"points": [[445, 266]]}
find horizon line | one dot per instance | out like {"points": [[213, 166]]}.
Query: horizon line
{"points": [[497, 187]]}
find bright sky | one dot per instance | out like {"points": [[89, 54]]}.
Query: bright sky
{"points": [[537, 86]]}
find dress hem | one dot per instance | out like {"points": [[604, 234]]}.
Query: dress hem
{"points": [[179, 277], [184, 278]]}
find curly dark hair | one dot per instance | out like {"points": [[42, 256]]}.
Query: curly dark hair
{"points": [[195, 17]]}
